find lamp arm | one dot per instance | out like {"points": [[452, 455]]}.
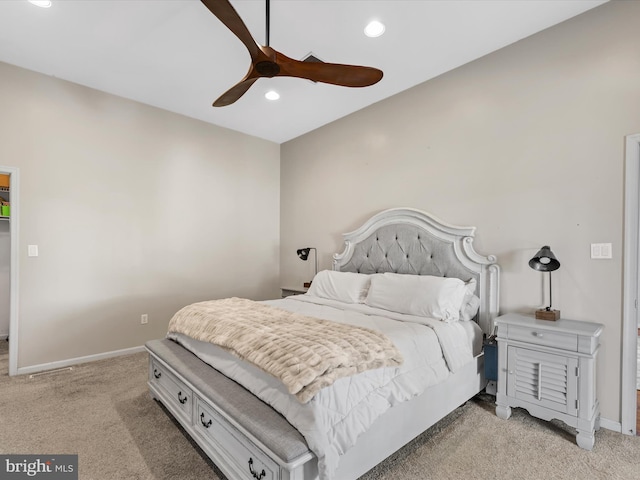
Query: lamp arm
{"points": [[550, 293], [315, 255]]}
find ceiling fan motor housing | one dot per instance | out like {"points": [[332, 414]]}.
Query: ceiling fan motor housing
{"points": [[267, 68]]}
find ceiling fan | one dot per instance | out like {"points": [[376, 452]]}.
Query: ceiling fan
{"points": [[267, 62]]}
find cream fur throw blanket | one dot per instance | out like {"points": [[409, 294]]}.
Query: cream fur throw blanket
{"points": [[306, 354]]}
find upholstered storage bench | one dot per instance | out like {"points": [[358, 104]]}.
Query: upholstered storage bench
{"points": [[242, 435]]}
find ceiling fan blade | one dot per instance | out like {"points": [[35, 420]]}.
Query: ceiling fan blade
{"points": [[235, 92], [333, 73], [230, 18]]}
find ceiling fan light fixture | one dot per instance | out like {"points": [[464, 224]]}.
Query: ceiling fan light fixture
{"points": [[374, 29], [272, 95], [41, 3]]}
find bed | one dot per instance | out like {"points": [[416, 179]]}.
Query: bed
{"points": [[254, 426]]}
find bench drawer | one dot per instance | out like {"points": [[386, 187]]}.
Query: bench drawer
{"points": [[246, 457], [174, 390]]}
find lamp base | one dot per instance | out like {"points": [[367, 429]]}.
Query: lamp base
{"points": [[551, 315]]}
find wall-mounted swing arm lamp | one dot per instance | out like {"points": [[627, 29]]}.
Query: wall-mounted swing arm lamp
{"points": [[303, 254], [546, 261]]}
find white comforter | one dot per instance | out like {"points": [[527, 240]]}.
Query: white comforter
{"points": [[338, 414]]}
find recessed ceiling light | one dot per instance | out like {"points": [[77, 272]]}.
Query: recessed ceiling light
{"points": [[272, 95], [41, 3], [374, 29]]}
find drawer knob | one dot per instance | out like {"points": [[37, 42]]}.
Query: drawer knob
{"points": [[539, 335], [156, 373], [253, 472], [205, 424], [181, 399]]}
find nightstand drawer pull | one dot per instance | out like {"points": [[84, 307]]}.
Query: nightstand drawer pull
{"points": [[156, 373], [539, 335], [182, 399]]}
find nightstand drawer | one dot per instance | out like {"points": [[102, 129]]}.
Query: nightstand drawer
{"points": [[547, 338]]}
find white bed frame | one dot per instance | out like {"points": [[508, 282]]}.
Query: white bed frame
{"points": [[399, 240]]}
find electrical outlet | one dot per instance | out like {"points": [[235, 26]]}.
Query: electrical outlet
{"points": [[144, 319]]}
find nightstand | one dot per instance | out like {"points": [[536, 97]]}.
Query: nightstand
{"points": [[287, 291], [549, 369]]}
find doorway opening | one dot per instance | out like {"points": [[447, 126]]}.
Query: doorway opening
{"points": [[638, 380], [630, 395], [638, 383], [9, 215], [5, 258]]}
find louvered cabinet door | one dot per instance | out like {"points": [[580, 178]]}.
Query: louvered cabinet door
{"points": [[548, 380]]}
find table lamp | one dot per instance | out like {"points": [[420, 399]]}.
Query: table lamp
{"points": [[546, 261], [303, 254]]}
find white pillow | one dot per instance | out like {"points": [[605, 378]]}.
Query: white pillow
{"points": [[421, 295], [470, 303], [345, 287], [470, 308]]}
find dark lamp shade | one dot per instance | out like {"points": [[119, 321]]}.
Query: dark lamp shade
{"points": [[544, 260], [303, 253]]}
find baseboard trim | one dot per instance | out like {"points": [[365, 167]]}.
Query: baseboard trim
{"points": [[611, 425], [75, 361]]}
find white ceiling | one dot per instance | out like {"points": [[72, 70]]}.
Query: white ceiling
{"points": [[175, 55]]}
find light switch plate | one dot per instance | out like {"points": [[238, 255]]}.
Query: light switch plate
{"points": [[601, 251], [32, 250]]}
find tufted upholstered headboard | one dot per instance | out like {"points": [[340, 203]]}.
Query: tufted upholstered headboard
{"points": [[409, 241]]}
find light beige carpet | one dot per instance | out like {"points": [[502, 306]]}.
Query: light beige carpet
{"points": [[102, 412]]}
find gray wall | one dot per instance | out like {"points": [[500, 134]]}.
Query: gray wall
{"points": [[135, 210], [526, 143]]}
